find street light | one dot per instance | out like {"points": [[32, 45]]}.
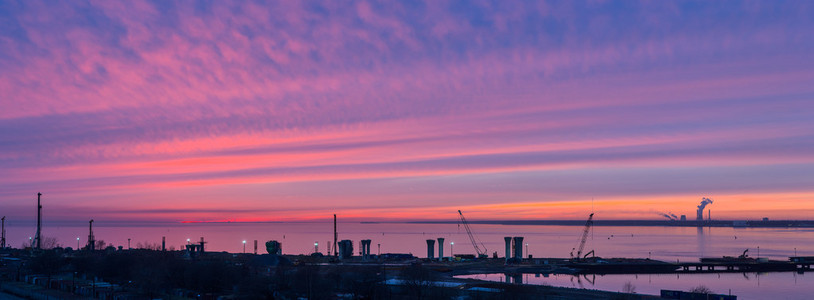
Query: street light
{"points": [[77, 243], [316, 247], [451, 251], [527, 249], [244, 246]]}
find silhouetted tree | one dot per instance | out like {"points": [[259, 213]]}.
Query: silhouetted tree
{"points": [[701, 289]]}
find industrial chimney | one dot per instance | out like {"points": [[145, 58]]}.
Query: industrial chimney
{"points": [[700, 212]]}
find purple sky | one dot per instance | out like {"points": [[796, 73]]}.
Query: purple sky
{"points": [[220, 110]]}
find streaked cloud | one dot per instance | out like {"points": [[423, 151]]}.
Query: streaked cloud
{"points": [[397, 106]]}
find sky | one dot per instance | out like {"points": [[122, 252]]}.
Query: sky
{"points": [[198, 111]]}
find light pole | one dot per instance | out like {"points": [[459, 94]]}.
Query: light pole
{"points": [[316, 247], [128, 244], [451, 249], [77, 243], [244, 246], [527, 249]]}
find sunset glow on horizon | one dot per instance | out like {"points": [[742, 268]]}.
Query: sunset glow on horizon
{"points": [[197, 111]]}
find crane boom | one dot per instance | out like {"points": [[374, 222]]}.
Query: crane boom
{"points": [[584, 237], [481, 252]]}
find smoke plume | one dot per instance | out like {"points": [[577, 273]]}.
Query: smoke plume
{"points": [[670, 216], [704, 202]]}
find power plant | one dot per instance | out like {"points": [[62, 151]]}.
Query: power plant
{"points": [[700, 213]]}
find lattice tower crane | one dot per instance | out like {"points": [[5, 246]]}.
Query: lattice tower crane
{"points": [[481, 249], [585, 231]]}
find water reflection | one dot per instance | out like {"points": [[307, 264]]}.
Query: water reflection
{"points": [[701, 241], [791, 285]]}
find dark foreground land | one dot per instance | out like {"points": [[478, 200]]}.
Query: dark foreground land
{"points": [[151, 274]]}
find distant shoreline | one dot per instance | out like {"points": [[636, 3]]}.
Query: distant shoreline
{"points": [[659, 223], [631, 223]]}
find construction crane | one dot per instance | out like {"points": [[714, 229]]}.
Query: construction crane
{"points": [[585, 231], [481, 252]]}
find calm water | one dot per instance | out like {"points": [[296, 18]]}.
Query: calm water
{"points": [[777, 286], [663, 243]]}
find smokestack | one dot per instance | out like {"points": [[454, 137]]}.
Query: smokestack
{"points": [[508, 241], [335, 236], [700, 212], [430, 249], [440, 248], [37, 236]]}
